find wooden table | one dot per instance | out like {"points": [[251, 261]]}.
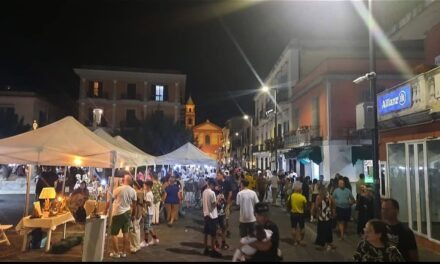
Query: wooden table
{"points": [[48, 224]]}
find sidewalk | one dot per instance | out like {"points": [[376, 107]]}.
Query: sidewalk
{"points": [[184, 242]]}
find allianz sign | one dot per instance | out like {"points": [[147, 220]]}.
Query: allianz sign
{"points": [[395, 100]]}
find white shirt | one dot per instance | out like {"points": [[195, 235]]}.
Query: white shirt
{"points": [[149, 197], [246, 199], [208, 199], [124, 196]]}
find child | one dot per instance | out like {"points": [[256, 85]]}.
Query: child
{"points": [[148, 217], [246, 250]]}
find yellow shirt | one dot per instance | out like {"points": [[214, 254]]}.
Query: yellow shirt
{"points": [[298, 203]]}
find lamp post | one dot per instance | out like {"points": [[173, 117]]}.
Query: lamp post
{"points": [[266, 90], [251, 120], [371, 76]]}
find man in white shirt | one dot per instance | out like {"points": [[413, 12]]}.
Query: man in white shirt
{"points": [[246, 199], [124, 209], [210, 216]]}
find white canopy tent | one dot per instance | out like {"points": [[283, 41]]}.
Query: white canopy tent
{"points": [[187, 154], [139, 157]]}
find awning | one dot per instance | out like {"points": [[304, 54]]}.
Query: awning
{"points": [[361, 153], [293, 153], [312, 153]]}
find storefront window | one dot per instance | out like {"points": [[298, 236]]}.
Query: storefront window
{"points": [[433, 153], [397, 178]]}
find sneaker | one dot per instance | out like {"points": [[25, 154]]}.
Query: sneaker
{"points": [[206, 252], [123, 255], [156, 241], [114, 255], [144, 244], [216, 254]]}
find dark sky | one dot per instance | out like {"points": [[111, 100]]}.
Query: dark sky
{"points": [[42, 41]]}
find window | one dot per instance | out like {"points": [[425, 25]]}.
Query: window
{"points": [[190, 121], [158, 97], [95, 89], [131, 91], [189, 110], [207, 140]]}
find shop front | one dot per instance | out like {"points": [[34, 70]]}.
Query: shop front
{"points": [[409, 138]]}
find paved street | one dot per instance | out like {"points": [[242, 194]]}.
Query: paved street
{"points": [[184, 242]]}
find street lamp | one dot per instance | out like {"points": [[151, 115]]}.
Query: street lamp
{"points": [[251, 121], [371, 76], [266, 90]]}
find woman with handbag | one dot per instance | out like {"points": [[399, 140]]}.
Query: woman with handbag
{"points": [[324, 213]]}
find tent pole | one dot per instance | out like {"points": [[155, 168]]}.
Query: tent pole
{"points": [[28, 190], [110, 199], [64, 181], [135, 172]]}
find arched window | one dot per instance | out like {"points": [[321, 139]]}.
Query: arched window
{"points": [[190, 121], [207, 140]]}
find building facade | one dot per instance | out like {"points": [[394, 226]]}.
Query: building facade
{"points": [[316, 114], [190, 114], [128, 96], [209, 138], [27, 105], [409, 131]]}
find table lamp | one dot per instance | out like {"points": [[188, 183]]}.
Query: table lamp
{"points": [[47, 193]]}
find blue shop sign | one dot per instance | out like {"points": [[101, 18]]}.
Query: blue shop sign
{"points": [[395, 100]]}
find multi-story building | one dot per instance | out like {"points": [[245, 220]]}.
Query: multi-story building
{"points": [[27, 105], [209, 138], [409, 130], [316, 116], [236, 133], [128, 96]]}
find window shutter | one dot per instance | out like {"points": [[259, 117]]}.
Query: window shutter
{"points": [[165, 93]]}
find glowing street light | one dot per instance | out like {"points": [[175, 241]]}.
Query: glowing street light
{"points": [[265, 88]]}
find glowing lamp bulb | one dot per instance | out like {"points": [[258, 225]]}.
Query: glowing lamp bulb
{"points": [[77, 161]]}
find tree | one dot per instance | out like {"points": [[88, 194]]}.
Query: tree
{"points": [[11, 125], [158, 135]]}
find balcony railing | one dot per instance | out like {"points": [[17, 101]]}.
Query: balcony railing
{"points": [[104, 95], [125, 96], [302, 136]]}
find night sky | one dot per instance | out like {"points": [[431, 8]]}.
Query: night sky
{"points": [[42, 41]]}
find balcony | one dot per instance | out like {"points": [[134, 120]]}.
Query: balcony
{"points": [[423, 94], [136, 97], [357, 137], [303, 136], [101, 96], [130, 123]]}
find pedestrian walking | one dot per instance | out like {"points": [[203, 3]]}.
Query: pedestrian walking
{"points": [[325, 211], [226, 188], [157, 194], [344, 200], [246, 199], [172, 200], [135, 230], [274, 187], [148, 216], [296, 204], [210, 216], [315, 191], [365, 208], [375, 247], [124, 209]]}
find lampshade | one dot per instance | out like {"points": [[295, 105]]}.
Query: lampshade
{"points": [[48, 193]]}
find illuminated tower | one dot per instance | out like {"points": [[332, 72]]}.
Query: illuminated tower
{"points": [[190, 113]]}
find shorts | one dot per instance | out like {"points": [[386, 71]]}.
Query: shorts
{"points": [[295, 219], [314, 197], [119, 222], [343, 214], [245, 228], [148, 219], [221, 222], [210, 226]]}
